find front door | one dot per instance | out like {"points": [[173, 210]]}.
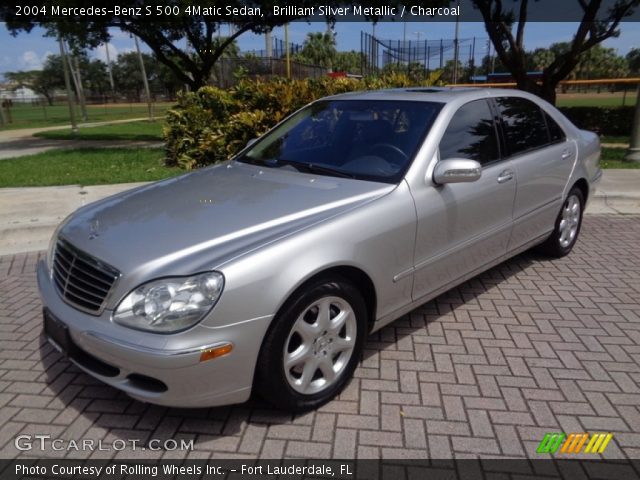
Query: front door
{"points": [[464, 226]]}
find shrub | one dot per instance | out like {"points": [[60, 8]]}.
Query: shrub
{"points": [[211, 125], [602, 120]]}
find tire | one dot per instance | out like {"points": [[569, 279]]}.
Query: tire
{"points": [[567, 226], [312, 348]]}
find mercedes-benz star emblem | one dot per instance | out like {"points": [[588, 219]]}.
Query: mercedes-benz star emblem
{"points": [[93, 229]]}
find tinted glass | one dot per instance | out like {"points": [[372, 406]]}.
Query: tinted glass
{"points": [[471, 134], [556, 134], [524, 125], [369, 140]]}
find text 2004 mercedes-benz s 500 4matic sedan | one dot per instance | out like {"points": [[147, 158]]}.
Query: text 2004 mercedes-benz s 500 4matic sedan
{"points": [[266, 272]]}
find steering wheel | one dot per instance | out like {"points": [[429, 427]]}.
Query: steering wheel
{"points": [[392, 148]]}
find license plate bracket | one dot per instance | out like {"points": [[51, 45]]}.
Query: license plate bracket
{"points": [[57, 332]]}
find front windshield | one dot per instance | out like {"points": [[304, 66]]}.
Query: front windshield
{"points": [[370, 140]]}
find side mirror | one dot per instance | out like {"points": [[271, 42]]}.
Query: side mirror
{"points": [[251, 142], [456, 170]]}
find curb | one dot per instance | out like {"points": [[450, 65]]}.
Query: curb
{"points": [[30, 222]]}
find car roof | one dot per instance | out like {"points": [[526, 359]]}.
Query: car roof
{"points": [[428, 94]]}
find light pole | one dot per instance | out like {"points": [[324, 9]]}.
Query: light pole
{"points": [[633, 154], [455, 49], [286, 49], [404, 41]]}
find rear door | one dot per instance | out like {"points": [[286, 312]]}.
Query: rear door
{"points": [[464, 226], [542, 158]]}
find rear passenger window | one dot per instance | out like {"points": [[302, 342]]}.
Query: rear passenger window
{"points": [[524, 126], [556, 134], [471, 134]]}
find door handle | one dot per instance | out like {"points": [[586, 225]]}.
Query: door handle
{"points": [[505, 176], [566, 154]]}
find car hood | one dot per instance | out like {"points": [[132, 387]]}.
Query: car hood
{"points": [[202, 219]]}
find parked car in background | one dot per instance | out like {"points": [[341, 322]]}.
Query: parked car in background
{"points": [[266, 272]]}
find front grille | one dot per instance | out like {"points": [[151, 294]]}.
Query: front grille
{"points": [[82, 280]]}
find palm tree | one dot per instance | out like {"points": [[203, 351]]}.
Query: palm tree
{"points": [[319, 49]]}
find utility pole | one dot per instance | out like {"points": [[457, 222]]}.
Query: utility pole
{"points": [[143, 71], [633, 154], [67, 84]]}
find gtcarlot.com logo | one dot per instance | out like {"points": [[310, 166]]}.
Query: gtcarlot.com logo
{"points": [[574, 443]]}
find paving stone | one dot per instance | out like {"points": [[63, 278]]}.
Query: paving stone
{"points": [[485, 370]]}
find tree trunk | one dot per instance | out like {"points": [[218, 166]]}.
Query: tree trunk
{"points": [[548, 92], [545, 90]]}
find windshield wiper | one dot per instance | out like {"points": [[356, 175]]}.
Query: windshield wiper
{"points": [[314, 168], [300, 166], [260, 162]]}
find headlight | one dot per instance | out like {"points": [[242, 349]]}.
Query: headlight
{"points": [[170, 304]]}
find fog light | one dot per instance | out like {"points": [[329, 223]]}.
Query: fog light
{"points": [[211, 353]]}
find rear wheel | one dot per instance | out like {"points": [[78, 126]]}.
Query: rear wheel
{"points": [[313, 347], [567, 227]]}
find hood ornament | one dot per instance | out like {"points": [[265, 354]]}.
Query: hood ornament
{"points": [[93, 229]]}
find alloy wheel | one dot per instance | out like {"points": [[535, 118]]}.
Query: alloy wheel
{"points": [[320, 345], [569, 221]]}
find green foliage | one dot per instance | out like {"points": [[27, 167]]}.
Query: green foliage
{"points": [[614, 158], [633, 59], [350, 62], [128, 76], [318, 49], [602, 120], [212, 124], [596, 62]]}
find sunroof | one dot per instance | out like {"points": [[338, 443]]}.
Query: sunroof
{"points": [[437, 89], [425, 90]]}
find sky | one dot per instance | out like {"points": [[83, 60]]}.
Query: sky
{"points": [[28, 51]]}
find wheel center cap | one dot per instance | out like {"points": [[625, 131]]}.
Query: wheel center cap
{"points": [[322, 344]]}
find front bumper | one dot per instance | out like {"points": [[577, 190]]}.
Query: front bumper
{"points": [[155, 368]]}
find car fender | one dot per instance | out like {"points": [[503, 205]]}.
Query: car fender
{"points": [[376, 238]]}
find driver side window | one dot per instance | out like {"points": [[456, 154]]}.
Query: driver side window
{"points": [[471, 134]]}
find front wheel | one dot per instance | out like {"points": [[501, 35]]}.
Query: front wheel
{"points": [[313, 347], [567, 227]]}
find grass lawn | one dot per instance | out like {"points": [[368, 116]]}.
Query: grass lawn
{"points": [[614, 158], [85, 166], [612, 139], [604, 99], [25, 115], [120, 131]]}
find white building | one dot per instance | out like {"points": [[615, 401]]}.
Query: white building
{"points": [[22, 94]]}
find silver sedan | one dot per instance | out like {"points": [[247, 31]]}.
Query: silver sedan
{"points": [[266, 272]]}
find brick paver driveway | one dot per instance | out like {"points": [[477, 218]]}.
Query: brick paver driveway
{"points": [[530, 347]]}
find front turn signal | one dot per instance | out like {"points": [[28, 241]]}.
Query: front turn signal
{"points": [[211, 353]]}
